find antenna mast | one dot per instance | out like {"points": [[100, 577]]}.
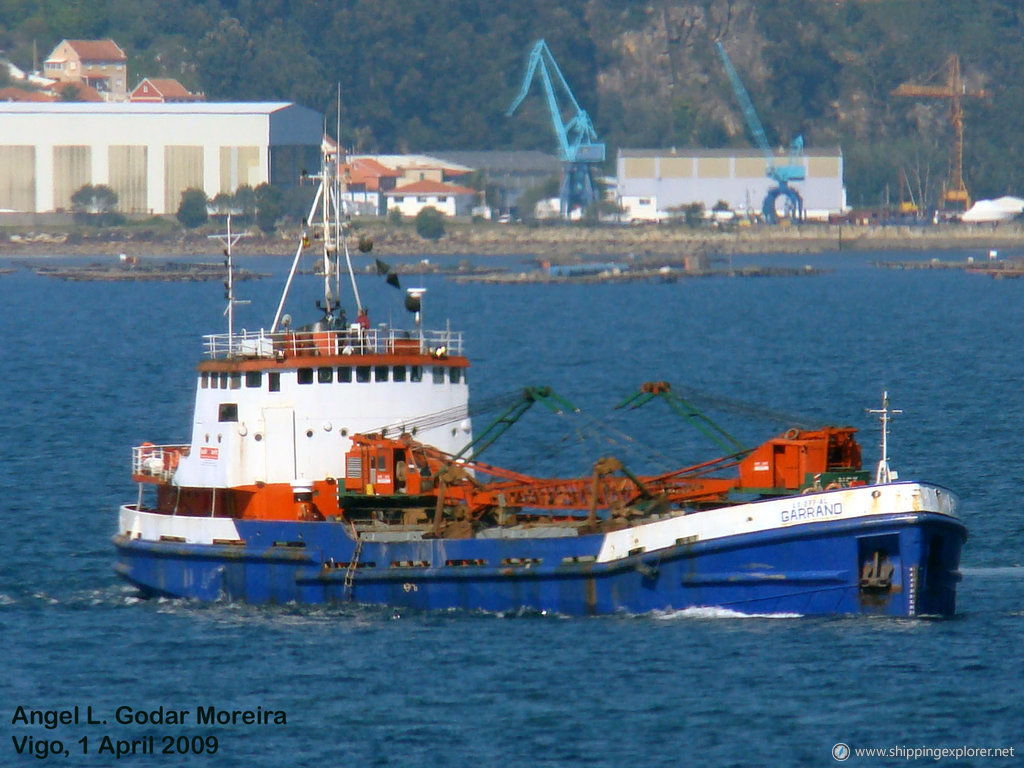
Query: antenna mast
{"points": [[884, 474], [228, 239], [332, 231]]}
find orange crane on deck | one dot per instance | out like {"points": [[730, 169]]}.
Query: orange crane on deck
{"points": [[413, 479]]}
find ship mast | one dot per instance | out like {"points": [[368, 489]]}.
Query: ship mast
{"points": [[883, 474], [328, 207], [229, 240]]}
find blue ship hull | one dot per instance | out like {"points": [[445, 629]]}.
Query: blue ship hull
{"points": [[809, 569]]}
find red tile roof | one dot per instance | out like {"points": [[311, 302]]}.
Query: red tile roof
{"points": [[427, 187], [97, 50], [165, 88], [369, 172]]}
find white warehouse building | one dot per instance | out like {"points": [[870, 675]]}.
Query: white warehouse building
{"points": [[651, 183], [149, 153]]}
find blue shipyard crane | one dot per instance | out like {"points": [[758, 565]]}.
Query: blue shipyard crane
{"points": [[578, 146], [782, 175]]}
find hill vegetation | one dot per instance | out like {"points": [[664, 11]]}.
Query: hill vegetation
{"points": [[421, 76]]}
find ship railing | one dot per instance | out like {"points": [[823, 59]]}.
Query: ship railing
{"points": [[315, 341], [157, 462]]}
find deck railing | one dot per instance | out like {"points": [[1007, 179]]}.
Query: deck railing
{"points": [[157, 461], [347, 341]]}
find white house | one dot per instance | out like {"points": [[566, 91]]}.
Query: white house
{"points": [[449, 199]]}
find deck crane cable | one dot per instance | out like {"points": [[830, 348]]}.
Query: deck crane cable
{"points": [[747, 408], [450, 415], [583, 428]]}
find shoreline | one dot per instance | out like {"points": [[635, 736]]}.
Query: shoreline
{"points": [[557, 244]]}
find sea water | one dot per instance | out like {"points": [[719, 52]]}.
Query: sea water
{"points": [[91, 369]]}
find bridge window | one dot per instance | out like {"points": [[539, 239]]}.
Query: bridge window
{"points": [[274, 381], [227, 412], [416, 373], [305, 375], [380, 373], [455, 375], [236, 380], [438, 374], [204, 380], [223, 381], [254, 379], [344, 374], [362, 373], [399, 373], [325, 375]]}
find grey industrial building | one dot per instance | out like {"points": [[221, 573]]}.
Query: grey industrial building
{"points": [[654, 183], [149, 153]]}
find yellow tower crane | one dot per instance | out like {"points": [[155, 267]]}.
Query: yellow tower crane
{"points": [[955, 195]]}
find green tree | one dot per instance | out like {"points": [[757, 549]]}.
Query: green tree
{"points": [[268, 207], [245, 201], [95, 205], [693, 214], [430, 223], [192, 211], [223, 203]]}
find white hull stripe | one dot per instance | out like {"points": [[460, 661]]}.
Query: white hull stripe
{"points": [[756, 517]]}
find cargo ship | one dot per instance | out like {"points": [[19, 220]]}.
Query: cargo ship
{"points": [[336, 462]]}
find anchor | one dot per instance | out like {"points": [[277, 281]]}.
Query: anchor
{"points": [[876, 575]]}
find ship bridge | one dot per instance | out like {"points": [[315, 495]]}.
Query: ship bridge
{"points": [[275, 407]]}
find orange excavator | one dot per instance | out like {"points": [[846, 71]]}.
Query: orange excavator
{"points": [[463, 493]]}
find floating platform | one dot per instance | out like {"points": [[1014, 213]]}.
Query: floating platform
{"points": [[662, 275], [166, 272], [999, 270]]}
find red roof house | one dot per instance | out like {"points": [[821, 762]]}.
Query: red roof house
{"points": [[163, 90]]}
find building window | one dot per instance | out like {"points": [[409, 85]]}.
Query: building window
{"points": [[325, 375], [399, 198], [227, 412], [421, 199], [442, 199], [305, 375], [253, 379]]}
